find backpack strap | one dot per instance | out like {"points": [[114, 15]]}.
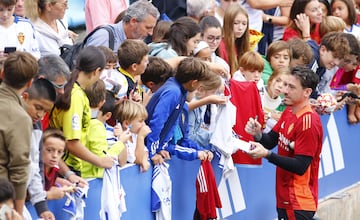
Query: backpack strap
{"points": [[110, 31]]}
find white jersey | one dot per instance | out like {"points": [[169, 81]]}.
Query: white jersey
{"points": [[20, 34], [161, 192], [255, 16], [112, 195]]}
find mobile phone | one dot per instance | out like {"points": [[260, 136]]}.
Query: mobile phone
{"points": [[9, 49], [4, 208]]}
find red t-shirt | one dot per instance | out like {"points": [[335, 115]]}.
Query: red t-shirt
{"points": [[294, 192], [291, 33]]}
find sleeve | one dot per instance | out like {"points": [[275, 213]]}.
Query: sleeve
{"points": [[297, 165], [72, 120], [97, 13], [36, 187], [308, 135], [161, 113], [289, 33], [19, 141], [99, 38], [35, 51]]}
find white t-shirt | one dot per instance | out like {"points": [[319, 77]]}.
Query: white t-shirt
{"points": [[21, 35]]}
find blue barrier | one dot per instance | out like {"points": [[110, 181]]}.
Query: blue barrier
{"points": [[250, 193]]}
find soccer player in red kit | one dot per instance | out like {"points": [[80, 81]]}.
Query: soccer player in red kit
{"points": [[299, 136]]}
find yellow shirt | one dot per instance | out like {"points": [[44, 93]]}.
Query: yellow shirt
{"points": [[73, 122], [96, 143]]}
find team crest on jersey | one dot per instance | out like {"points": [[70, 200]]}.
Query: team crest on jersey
{"points": [[21, 37], [290, 128]]}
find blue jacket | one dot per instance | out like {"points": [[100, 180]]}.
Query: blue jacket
{"points": [[166, 103]]}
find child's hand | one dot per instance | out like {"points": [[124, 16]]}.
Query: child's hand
{"points": [[144, 131], [55, 193], [216, 99], [125, 136], [205, 155], [118, 130], [144, 166], [135, 96]]}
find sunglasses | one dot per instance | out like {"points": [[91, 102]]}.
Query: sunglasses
{"points": [[58, 86]]}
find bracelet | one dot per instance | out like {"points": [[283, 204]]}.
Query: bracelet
{"points": [[306, 37], [68, 174]]}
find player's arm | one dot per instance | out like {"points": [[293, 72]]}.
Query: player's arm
{"points": [[298, 164], [268, 140]]}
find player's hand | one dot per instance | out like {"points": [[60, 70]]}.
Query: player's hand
{"points": [[257, 150], [253, 127]]}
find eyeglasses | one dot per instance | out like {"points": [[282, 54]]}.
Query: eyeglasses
{"points": [[58, 86], [212, 38]]}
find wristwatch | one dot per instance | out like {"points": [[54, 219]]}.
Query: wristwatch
{"points": [[268, 19]]}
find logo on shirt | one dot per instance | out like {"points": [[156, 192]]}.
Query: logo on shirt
{"points": [[21, 37], [75, 122]]}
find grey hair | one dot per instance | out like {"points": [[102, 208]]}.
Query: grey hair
{"points": [[52, 66], [140, 10], [197, 8]]}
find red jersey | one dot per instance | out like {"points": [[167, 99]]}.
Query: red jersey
{"points": [[296, 192]]}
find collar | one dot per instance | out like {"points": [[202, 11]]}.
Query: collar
{"points": [[127, 74]]}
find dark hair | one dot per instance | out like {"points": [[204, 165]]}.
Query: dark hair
{"points": [[157, 71], [109, 105], [7, 190], [191, 68], [352, 15], [307, 77], [110, 56], [19, 68], [161, 31], [132, 51], [208, 22], [337, 43], [327, 5], [180, 32], [300, 49], [8, 3], [52, 66], [96, 93], [298, 7], [354, 45], [42, 89], [90, 58]]}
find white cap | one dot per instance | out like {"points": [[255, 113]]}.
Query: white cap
{"points": [[201, 45]]}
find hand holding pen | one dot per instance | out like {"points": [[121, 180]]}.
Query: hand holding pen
{"points": [[253, 127]]}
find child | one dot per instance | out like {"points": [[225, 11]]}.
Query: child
{"points": [[211, 32], [53, 141], [236, 34], [331, 23], [114, 80], [97, 137], [301, 52], [156, 73], [7, 197], [345, 10], [200, 118], [251, 65], [160, 30], [272, 100], [72, 110], [202, 51], [16, 32], [165, 107], [131, 115], [17, 72], [97, 144], [133, 59], [39, 100], [278, 55]]}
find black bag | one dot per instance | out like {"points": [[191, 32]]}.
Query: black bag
{"points": [[69, 53]]}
